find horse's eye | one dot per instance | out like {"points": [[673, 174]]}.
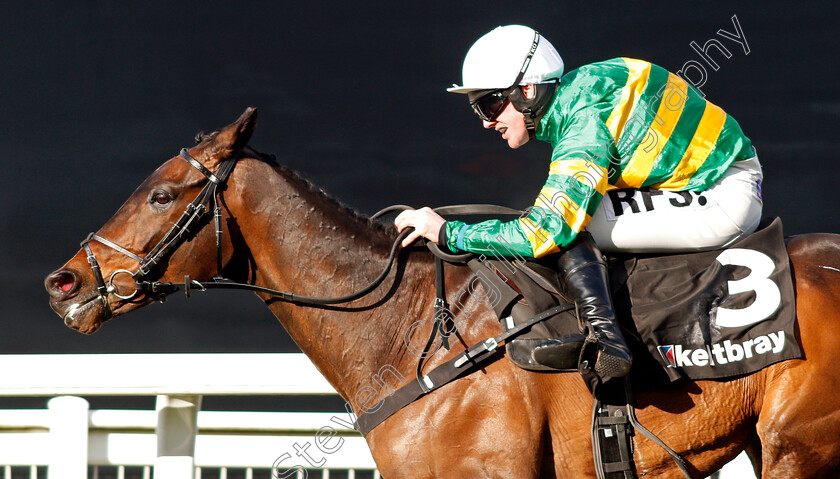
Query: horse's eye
{"points": [[161, 197]]}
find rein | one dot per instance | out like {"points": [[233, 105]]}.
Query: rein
{"points": [[162, 289], [159, 290], [463, 363]]}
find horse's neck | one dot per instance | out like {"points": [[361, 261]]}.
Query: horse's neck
{"points": [[302, 242]]}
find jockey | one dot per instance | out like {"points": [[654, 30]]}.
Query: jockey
{"points": [[641, 162]]}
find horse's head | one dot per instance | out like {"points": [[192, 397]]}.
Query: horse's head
{"points": [[158, 234]]}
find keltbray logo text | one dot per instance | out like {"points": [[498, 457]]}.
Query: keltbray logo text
{"points": [[679, 356]]}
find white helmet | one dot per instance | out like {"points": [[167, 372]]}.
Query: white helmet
{"points": [[496, 59]]}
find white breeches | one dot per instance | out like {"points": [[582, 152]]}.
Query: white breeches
{"points": [[638, 221]]}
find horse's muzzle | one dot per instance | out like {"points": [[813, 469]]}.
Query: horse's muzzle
{"points": [[80, 312], [61, 284]]}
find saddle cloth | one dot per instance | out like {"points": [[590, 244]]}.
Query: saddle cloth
{"points": [[707, 315], [713, 314]]}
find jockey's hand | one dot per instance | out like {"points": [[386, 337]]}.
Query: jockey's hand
{"points": [[426, 224]]}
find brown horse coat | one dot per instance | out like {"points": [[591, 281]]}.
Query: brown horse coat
{"points": [[500, 422]]}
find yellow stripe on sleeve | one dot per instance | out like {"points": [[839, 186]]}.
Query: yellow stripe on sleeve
{"points": [[639, 166], [560, 204], [551, 204], [702, 144], [588, 175], [541, 243]]}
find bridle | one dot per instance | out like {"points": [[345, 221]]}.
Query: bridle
{"points": [[206, 198], [469, 360], [170, 241], [464, 362]]}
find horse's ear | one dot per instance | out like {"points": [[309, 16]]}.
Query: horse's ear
{"points": [[231, 139]]}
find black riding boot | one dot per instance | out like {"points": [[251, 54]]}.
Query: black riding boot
{"points": [[584, 273]]}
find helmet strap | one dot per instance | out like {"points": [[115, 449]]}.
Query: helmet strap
{"points": [[534, 107], [530, 125]]}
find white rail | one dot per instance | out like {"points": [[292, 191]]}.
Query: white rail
{"points": [[159, 374], [177, 438]]}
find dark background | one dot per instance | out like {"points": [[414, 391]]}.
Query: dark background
{"points": [[95, 96]]}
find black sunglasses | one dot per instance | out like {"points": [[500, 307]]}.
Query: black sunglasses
{"points": [[489, 104]]}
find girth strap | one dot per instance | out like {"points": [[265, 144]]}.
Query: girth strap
{"points": [[682, 465], [447, 372]]}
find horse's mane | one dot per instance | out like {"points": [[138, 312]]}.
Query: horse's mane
{"points": [[386, 231]]}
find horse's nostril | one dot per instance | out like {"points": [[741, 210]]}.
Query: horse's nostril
{"points": [[61, 282]]}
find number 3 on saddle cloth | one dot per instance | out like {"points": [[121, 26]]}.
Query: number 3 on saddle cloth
{"points": [[707, 315]]}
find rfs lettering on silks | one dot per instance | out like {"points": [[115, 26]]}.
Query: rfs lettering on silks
{"points": [[628, 201], [723, 353]]}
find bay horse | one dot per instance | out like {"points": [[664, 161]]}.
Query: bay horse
{"points": [[498, 422]]}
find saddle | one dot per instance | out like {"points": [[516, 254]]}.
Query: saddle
{"points": [[712, 314], [703, 315], [526, 289], [706, 315]]}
